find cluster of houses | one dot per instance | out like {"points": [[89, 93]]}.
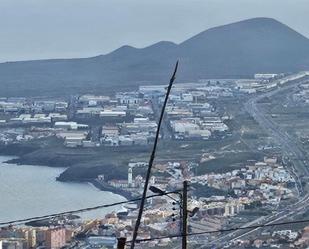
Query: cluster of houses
{"points": [[130, 118], [267, 182], [139, 132], [24, 105], [302, 96], [265, 81], [127, 118], [99, 106], [189, 119]]}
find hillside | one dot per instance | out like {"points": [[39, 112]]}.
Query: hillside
{"points": [[235, 50]]}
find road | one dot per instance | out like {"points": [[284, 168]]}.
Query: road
{"points": [[289, 145], [287, 213], [290, 149]]}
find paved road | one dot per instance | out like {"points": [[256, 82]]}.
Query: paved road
{"points": [[298, 168], [289, 146]]}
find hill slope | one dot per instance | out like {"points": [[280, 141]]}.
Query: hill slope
{"points": [[235, 50]]}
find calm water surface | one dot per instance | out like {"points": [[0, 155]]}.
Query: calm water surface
{"points": [[27, 191]]}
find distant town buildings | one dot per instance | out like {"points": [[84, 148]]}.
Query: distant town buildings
{"points": [[128, 119]]}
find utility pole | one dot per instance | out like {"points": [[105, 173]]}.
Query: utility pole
{"points": [[184, 214], [121, 243], [151, 160]]}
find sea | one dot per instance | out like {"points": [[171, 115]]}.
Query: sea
{"points": [[28, 191]]}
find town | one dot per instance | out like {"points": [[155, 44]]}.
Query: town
{"points": [[255, 183]]}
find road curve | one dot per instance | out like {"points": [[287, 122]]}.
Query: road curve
{"points": [[290, 149]]}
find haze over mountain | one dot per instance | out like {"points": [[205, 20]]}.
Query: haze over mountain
{"points": [[236, 50]]}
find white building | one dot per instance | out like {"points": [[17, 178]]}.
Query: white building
{"points": [[187, 97], [70, 125], [93, 100], [130, 177], [152, 88], [110, 113], [265, 76], [183, 127], [128, 98]]}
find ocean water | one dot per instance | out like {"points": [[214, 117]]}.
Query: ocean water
{"points": [[28, 191]]}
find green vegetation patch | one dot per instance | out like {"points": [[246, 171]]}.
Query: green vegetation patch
{"points": [[228, 162]]}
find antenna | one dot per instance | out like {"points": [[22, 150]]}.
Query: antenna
{"points": [[152, 157]]}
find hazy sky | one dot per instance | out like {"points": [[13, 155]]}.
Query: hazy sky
{"points": [[33, 29]]}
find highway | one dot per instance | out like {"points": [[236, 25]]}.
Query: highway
{"points": [[290, 149], [288, 145]]}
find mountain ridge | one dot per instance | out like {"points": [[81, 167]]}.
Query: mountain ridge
{"points": [[233, 50]]}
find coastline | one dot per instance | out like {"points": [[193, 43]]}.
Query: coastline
{"points": [[45, 195], [17, 160], [106, 187]]}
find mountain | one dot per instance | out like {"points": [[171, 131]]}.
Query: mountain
{"points": [[235, 50]]}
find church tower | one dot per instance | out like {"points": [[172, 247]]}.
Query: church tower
{"points": [[130, 177]]}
